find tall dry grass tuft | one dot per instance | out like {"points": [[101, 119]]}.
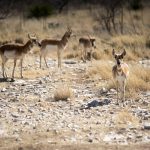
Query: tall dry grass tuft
{"points": [[135, 45], [63, 93], [101, 68], [128, 40], [139, 78], [125, 118]]}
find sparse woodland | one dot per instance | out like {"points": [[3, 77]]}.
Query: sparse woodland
{"points": [[75, 107]]}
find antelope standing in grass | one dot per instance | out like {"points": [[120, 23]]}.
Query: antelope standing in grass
{"points": [[120, 73], [52, 44], [15, 52], [88, 45]]}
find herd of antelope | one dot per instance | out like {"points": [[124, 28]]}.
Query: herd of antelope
{"points": [[16, 52]]}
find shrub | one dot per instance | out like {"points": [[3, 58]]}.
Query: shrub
{"points": [[40, 11], [135, 4], [101, 68], [62, 93]]}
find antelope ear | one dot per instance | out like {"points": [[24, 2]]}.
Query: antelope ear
{"points": [[69, 29], [113, 52], [124, 52], [34, 35]]}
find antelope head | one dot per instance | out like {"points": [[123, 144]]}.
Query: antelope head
{"points": [[68, 33], [119, 57], [34, 40], [92, 40]]}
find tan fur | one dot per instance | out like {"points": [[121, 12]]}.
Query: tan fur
{"points": [[120, 73], [88, 45], [15, 52], [60, 44]]}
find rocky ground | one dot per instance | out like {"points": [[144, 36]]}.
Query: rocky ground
{"points": [[29, 114]]}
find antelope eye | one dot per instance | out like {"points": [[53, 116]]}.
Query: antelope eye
{"points": [[121, 57]]}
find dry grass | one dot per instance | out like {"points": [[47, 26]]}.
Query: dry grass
{"points": [[82, 23], [137, 46], [138, 80], [101, 68], [125, 118], [128, 40], [63, 92], [32, 74]]}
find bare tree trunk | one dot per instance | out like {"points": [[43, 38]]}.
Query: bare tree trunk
{"points": [[64, 3], [113, 20], [121, 23], [21, 22], [132, 22], [142, 16], [107, 22], [44, 23]]}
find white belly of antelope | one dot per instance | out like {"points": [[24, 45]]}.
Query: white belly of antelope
{"points": [[12, 55], [120, 78], [49, 48]]}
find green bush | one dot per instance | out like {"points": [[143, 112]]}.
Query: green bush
{"points": [[40, 11], [135, 4]]}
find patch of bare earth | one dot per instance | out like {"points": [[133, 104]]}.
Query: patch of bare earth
{"points": [[70, 109]]}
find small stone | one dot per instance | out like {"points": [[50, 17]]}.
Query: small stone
{"points": [[111, 112], [90, 140], [3, 89], [30, 110], [145, 118], [40, 82], [112, 90], [103, 90], [15, 115], [147, 126], [20, 110], [47, 130], [139, 136], [26, 123], [133, 106]]}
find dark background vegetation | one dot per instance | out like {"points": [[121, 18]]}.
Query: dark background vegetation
{"points": [[109, 10], [48, 7]]}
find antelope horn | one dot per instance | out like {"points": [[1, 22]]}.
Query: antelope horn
{"points": [[29, 36], [113, 52], [124, 52], [69, 28]]}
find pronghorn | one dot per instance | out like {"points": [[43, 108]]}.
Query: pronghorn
{"points": [[15, 52], [88, 44], [52, 44], [120, 73]]}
